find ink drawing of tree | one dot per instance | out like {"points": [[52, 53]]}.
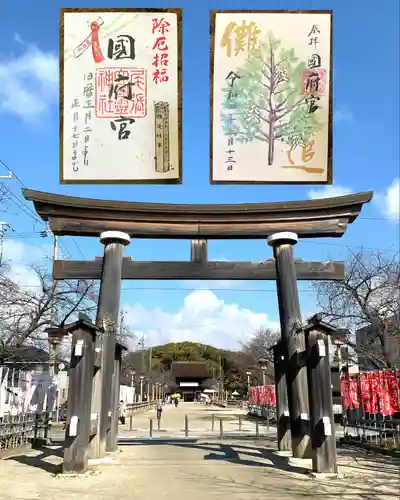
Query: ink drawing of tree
{"points": [[265, 99]]}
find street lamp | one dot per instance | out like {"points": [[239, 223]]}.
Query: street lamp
{"points": [[61, 367], [149, 382], [133, 375], [248, 379], [264, 366], [141, 387]]}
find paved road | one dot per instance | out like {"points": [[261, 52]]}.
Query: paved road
{"points": [[237, 468], [199, 423]]}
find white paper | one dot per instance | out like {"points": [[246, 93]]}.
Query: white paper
{"points": [[109, 106], [271, 81]]}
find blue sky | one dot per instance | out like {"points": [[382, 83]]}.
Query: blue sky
{"points": [[366, 156]]}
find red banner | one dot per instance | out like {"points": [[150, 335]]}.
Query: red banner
{"points": [[345, 390], [262, 395], [376, 392], [96, 49]]}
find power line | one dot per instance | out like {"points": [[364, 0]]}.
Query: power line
{"points": [[24, 207], [79, 250], [175, 289], [17, 202], [378, 218], [37, 234], [349, 246], [33, 215], [12, 173], [181, 289]]}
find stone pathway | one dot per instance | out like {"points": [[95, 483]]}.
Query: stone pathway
{"points": [[234, 469], [199, 418]]}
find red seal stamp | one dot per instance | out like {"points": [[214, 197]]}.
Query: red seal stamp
{"points": [[314, 81], [121, 92]]}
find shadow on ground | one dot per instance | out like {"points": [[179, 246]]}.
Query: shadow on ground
{"points": [[261, 455], [39, 458], [256, 456]]}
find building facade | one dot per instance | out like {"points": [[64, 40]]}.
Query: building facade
{"points": [[190, 377]]}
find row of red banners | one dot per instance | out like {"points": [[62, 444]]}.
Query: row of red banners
{"points": [[373, 392], [262, 395]]}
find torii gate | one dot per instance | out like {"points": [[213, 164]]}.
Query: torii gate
{"points": [[280, 223]]}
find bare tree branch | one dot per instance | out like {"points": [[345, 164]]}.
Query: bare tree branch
{"points": [[259, 346], [25, 312], [367, 302]]}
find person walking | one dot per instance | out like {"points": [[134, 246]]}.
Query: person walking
{"points": [[159, 409], [121, 412]]}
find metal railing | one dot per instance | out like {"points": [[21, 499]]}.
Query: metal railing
{"points": [[218, 427], [20, 429], [384, 434], [134, 408], [142, 406]]}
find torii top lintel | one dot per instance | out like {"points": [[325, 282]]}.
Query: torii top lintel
{"points": [[73, 216]]}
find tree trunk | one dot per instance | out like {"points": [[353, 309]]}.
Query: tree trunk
{"points": [[387, 352], [271, 143]]}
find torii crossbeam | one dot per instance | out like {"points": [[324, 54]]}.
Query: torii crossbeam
{"points": [[194, 270]]}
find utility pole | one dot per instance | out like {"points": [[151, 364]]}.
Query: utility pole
{"points": [[150, 359], [122, 323], [141, 344], [4, 226], [141, 388], [263, 366], [222, 379], [53, 347], [248, 380]]}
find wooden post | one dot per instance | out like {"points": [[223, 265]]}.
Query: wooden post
{"points": [[79, 396], [198, 251], [282, 405], [321, 402], [294, 341], [112, 435], [107, 318], [186, 426], [55, 337]]}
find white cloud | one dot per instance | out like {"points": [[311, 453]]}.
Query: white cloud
{"points": [[28, 82], [389, 201], [20, 256], [215, 283], [203, 318], [342, 115], [329, 192]]}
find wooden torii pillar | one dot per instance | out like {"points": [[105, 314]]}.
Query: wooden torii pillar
{"points": [[282, 223], [317, 334]]}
